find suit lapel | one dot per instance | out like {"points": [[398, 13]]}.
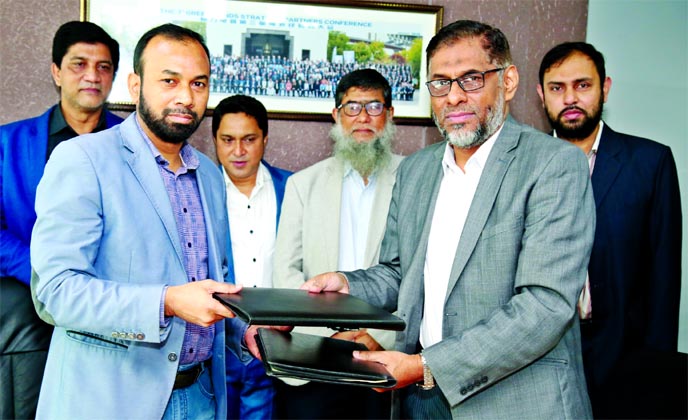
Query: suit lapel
{"points": [[330, 213], [493, 174], [138, 156], [426, 197], [378, 217], [607, 164]]}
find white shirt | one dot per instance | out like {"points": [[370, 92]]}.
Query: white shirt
{"points": [[252, 226], [451, 209], [354, 218]]}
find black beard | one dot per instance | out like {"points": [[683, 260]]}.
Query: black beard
{"points": [[580, 130], [169, 133]]}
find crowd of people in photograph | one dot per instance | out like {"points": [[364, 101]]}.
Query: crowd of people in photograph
{"points": [[280, 76]]}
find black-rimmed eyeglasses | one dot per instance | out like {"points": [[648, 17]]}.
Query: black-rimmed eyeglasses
{"points": [[467, 82], [352, 109]]}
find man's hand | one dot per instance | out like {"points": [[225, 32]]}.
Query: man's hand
{"points": [[359, 336], [327, 282], [252, 332], [407, 369], [193, 302]]}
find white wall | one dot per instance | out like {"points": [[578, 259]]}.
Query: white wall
{"points": [[645, 44]]}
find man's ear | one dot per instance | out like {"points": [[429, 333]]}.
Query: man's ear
{"points": [[541, 94], [390, 112], [134, 85], [510, 82], [606, 87], [334, 114], [55, 72]]}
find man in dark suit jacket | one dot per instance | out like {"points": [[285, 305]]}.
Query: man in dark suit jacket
{"points": [[630, 309], [85, 60]]}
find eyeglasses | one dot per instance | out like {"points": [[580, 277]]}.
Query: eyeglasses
{"points": [[352, 109], [468, 82]]}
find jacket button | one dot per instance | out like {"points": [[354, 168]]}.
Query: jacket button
{"points": [[463, 391], [483, 379], [140, 336], [122, 335], [131, 336], [172, 357], [114, 334]]}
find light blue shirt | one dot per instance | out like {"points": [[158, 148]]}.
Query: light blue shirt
{"points": [[357, 206]]}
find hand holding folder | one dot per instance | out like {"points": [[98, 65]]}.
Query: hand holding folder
{"points": [[310, 357]]}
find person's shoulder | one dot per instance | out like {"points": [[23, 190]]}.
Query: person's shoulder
{"points": [[636, 143], [25, 123], [276, 171], [315, 170], [428, 153], [112, 119]]}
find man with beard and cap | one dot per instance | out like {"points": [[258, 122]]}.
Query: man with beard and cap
{"points": [[484, 252], [333, 218], [629, 308], [129, 246]]}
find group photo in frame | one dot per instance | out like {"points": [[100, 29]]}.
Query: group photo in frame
{"points": [[288, 54]]}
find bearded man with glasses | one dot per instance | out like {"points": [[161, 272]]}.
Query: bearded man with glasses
{"points": [[485, 251], [333, 218]]}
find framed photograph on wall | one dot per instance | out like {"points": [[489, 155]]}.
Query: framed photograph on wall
{"points": [[288, 54]]}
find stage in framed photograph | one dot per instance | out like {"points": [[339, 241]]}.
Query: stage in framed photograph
{"points": [[288, 54]]}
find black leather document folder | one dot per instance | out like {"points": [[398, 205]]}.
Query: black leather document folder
{"points": [[320, 359], [267, 306]]}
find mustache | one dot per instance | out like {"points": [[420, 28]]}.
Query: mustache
{"points": [[572, 108], [182, 111]]}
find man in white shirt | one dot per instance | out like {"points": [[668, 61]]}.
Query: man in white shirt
{"points": [[254, 197], [334, 219]]}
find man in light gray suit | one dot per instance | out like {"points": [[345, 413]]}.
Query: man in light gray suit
{"points": [[487, 242]]}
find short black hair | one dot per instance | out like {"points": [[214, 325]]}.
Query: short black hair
{"points": [[237, 104], [561, 52], [493, 40], [366, 79], [170, 31], [73, 32]]}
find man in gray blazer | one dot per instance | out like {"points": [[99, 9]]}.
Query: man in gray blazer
{"points": [[333, 218], [485, 251]]}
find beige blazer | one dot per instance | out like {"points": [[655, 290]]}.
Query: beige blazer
{"points": [[308, 234]]}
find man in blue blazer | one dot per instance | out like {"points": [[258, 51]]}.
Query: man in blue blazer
{"points": [[128, 248], [630, 309], [85, 60], [255, 191]]}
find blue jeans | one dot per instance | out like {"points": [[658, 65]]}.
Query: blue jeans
{"points": [[250, 391], [193, 402]]}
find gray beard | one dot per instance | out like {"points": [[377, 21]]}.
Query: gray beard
{"points": [[470, 139], [364, 158]]}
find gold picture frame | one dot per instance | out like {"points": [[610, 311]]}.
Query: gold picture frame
{"points": [[288, 54]]}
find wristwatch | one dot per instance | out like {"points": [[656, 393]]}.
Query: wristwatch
{"points": [[428, 379]]}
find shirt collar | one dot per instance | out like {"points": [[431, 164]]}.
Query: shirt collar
{"points": [[262, 176], [59, 123], [596, 144], [189, 158], [350, 172], [478, 159]]}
